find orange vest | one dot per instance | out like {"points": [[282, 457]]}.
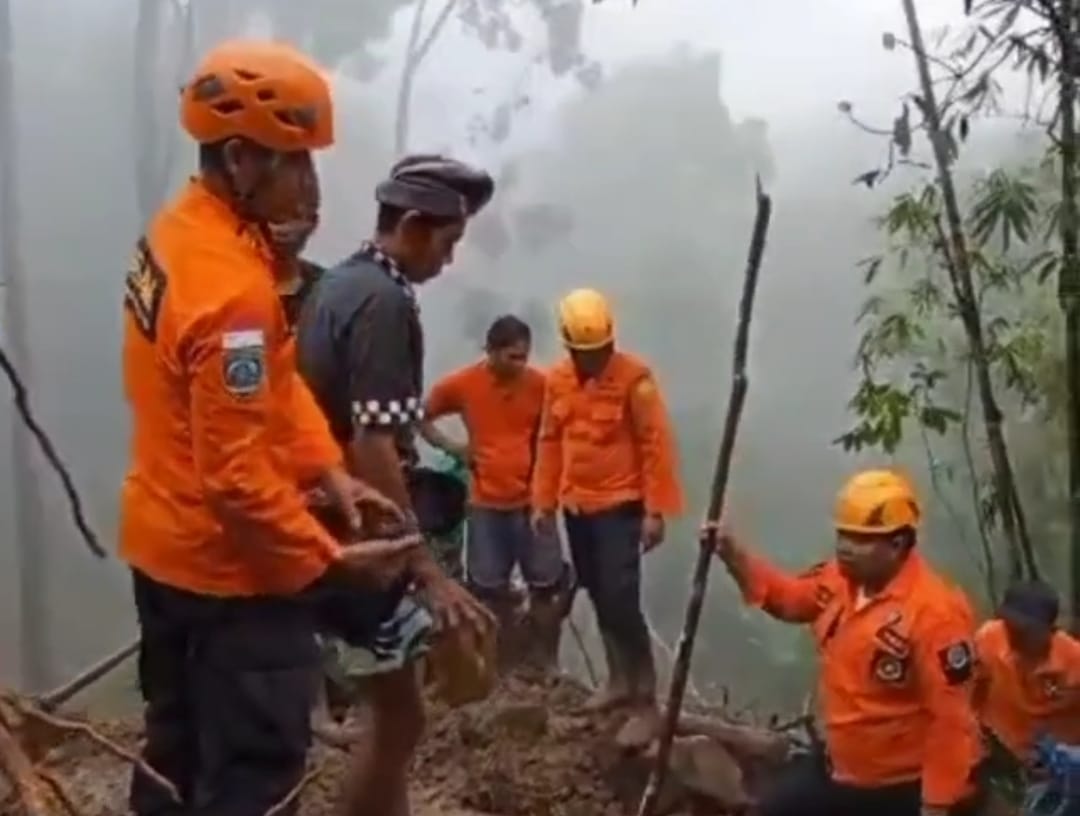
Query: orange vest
{"points": [[896, 673], [223, 429], [1016, 702], [605, 441]]}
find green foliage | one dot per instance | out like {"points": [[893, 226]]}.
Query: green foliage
{"points": [[913, 354]]}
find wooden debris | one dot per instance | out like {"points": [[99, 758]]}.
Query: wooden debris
{"points": [[28, 734]]}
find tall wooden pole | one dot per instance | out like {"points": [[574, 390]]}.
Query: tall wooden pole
{"points": [[35, 649]]}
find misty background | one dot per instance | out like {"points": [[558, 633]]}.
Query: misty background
{"points": [[625, 142]]}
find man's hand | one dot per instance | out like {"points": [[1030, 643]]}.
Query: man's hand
{"points": [[349, 495], [543, 522], [931, 810], [722, 539], [652, 532], [378, 562], [455, 606]]}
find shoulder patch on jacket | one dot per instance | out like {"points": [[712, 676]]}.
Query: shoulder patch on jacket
{"points": [[144, 288], [243, 361], [644, 387], [957, 662]]}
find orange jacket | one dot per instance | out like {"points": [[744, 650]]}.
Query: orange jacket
{"points": [[1017, 702], [502, 420], [895, 677], [223, 429], [605, 441]]}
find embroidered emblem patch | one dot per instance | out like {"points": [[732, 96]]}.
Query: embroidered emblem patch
{"points": [[244, 361], [889, 668], [956, 662]]}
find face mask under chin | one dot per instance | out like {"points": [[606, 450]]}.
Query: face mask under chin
{"points": [[288, 238]]}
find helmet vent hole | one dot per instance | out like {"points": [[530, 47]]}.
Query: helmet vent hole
{"points": [[303, 118], [876, 517], [246, 76], [265, 95], [227, 107], [207, 87]]}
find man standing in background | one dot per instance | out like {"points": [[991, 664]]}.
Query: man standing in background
{"points": [[361, 350], [499, 399], [607, 458]]}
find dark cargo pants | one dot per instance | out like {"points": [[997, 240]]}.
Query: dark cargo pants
{"points": [[804, 788], [229, 684], [605, 548]]}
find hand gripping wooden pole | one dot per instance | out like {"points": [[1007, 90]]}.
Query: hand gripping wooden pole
{"points": [[681, 672]]}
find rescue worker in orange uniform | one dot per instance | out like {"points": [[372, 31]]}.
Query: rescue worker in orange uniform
{"points": [[499, 400], [1027, 683], [897, 663], [227, 563], [607, 458]]}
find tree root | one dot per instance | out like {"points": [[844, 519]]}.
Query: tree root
{"points": [[294, 794], [28, 734]]}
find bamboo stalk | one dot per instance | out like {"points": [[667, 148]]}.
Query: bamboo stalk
{"points": [[684, 652]]}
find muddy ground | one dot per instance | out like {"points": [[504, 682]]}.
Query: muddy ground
{"points": [[526, 751]]}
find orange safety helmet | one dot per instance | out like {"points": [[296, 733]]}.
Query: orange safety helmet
{"points": [[268, 92], [876, 502], [585, 320]]}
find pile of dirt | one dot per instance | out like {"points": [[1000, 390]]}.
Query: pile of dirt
{"points": [[528, 750]]}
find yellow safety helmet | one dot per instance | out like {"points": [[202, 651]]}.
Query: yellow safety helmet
{"points": [[876, 502], [585, 320]]}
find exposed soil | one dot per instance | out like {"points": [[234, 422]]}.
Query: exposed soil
{"points": [[526, 751]]}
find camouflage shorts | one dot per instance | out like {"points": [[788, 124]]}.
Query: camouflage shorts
{"points": [[401, 639]]}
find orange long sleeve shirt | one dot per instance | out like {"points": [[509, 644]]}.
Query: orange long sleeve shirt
{"points": [[502, 421], [606, 440], [222, 427], [896, 673]]}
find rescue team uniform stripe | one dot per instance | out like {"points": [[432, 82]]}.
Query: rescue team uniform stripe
{"points": [[144, 290]]}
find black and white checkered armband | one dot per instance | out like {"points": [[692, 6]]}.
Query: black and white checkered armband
{"points": [[392, 413]]}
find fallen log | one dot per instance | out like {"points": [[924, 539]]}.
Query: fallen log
{"points": [[744, 741]]}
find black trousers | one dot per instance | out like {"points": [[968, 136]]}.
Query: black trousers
{"points": [[229, 684], [605, 548], [805, 788]]}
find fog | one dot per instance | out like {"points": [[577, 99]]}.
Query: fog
{"points": [[632, 171]]}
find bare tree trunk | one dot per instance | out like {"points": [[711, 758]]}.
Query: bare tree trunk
{"points": [[954, 247], [415, 52], [1069, 275], [31, 539]]}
